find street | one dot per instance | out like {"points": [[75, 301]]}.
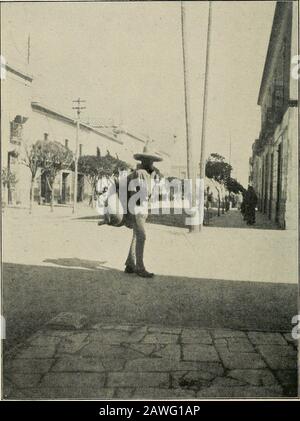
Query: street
{"points": [[66, 263], [63, 262]]}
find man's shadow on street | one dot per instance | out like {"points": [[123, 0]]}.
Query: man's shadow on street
{"points": [[78, 263]]}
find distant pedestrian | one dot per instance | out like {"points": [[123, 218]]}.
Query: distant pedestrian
{"points": [[250, 206], [227, 203]]}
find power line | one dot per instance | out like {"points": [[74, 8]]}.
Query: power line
{"points": [[204, 115], [78, 107]]}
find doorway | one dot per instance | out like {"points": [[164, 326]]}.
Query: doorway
{"points": [[271, 185], [279, 182], [80, 187], [65, 188], [45, 190]]}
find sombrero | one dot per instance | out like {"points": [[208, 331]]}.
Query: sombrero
{"points": [[147, 154]]}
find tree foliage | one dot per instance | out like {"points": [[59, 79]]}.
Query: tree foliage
{"points": [[8, 178], [233, 186], [217, 168], [50, 158], [33, 157], [95, 167], [54, 157]]}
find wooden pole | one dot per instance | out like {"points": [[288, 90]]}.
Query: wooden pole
{"points": [[204, 114], [76, 167], [78, 109], [191, 169]]}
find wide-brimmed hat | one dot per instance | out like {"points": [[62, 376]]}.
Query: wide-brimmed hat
{"points": [[147, 154]]}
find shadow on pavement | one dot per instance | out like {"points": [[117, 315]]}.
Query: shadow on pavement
{"points": [[34, 294], [77, 263]]}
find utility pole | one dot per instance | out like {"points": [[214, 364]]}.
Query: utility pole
{"points": [[78, 109], [229, 161], [191, 173], [28, 49], [191, 168], [204, 115]]}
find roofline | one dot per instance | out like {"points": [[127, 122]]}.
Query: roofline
{"points": [[132, 135], [282, 7], [125, 131], [163, 153], [19, 73], [40, 107], [160, 152]]}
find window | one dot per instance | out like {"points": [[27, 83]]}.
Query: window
{"points": [[16, 132], [80, 149], [67, 143]]}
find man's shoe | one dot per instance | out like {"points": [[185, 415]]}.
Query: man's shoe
{"points": [[144, 274], [129, 269]]}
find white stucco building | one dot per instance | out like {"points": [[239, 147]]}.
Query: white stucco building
{"points": [[24, 121]]}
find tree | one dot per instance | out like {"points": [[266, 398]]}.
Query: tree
{"points": [[54, 158], [217, 168], [94, 167], [8, 178], [233, 186], [33, 159]]}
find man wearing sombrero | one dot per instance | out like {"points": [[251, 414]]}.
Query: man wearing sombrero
{"points": [[143, 177]]}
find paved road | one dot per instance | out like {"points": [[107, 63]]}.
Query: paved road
{"points": [[221, 278], [234, 219], [144, 361]]}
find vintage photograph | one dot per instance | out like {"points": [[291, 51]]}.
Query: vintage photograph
{"points": [[149, 200]]}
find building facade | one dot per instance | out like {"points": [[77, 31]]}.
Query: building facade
{"points": [[25, 121], [274, 162], [15, 111]]}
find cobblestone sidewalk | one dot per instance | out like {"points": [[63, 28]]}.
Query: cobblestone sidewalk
{"points": [[133, 361]]}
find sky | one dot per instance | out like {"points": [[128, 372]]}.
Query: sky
{"points": [[125, 59]]}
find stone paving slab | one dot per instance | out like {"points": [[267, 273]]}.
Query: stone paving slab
{"points": [[161, 393], [27, 366], [239, 392], [139, 379], [279, 356], [68, 321], [75, 380], [133, 361], [42, 392], [199, 352], [241, 360], [266, 338], [263, 377], [193, 336], [234, 344]]}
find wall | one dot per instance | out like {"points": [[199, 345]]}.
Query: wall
{"points": [[15, 100]]}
